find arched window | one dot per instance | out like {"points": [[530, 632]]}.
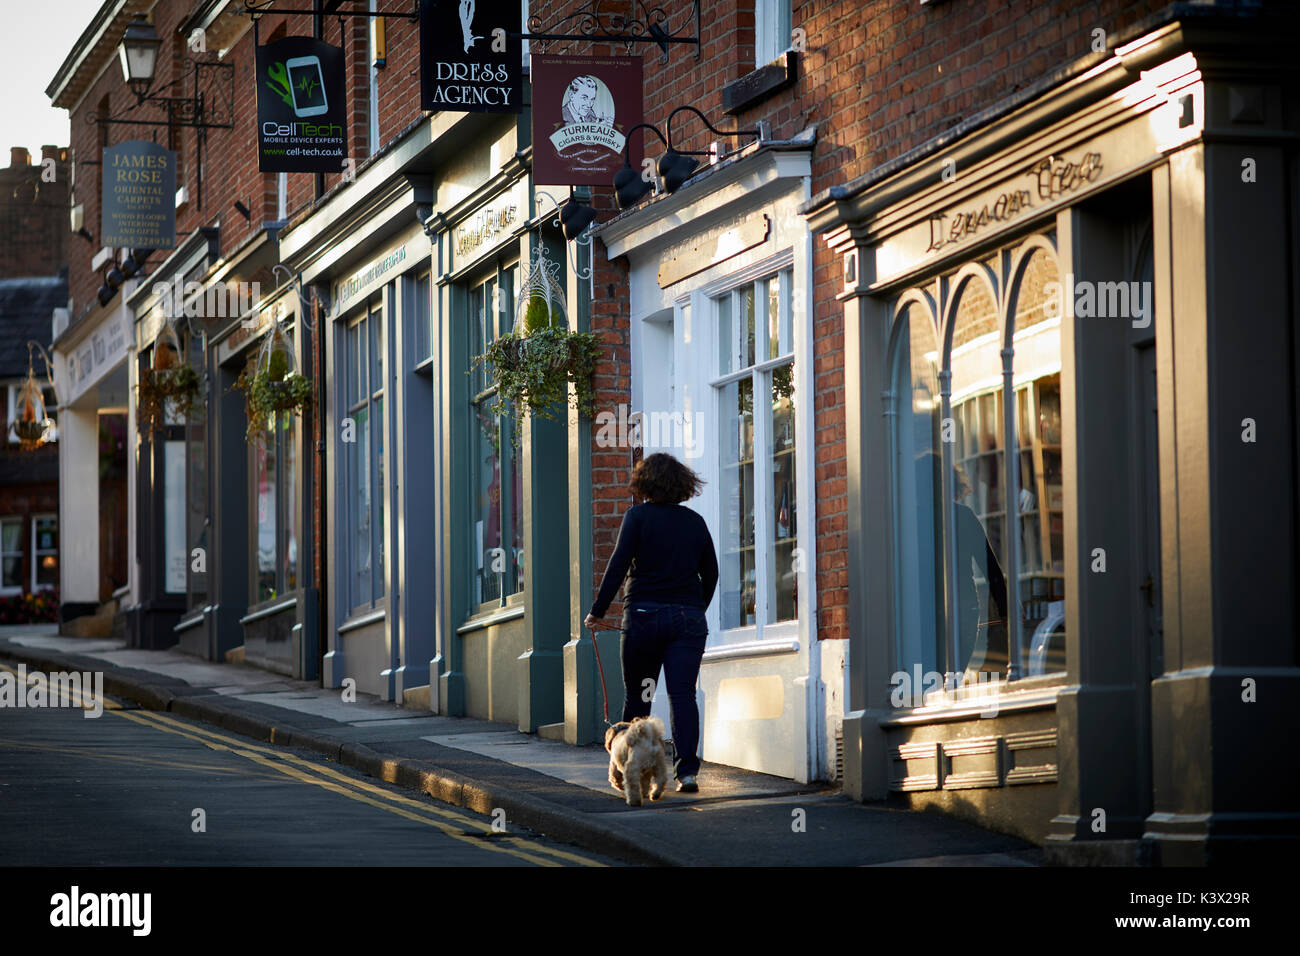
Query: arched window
{"points": [[978, 513], [1035, 332], [977, 586], [918, 537]]}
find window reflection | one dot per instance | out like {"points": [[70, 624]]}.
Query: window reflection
{"points": [[953, 544], [918, 480], [978, 514], [1041, 499]]}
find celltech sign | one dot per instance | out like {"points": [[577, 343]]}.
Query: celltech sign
{"points": [[468, 63], [301, 110]]}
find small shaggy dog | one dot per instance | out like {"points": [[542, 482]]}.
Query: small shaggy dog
{"points": [[636, 756]]}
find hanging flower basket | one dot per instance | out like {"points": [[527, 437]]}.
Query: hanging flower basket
{"points": [[273, 384], [534, 364], [168, 386], [32, 424]]}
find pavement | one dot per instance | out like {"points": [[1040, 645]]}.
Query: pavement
{"points": [[739, 818]]}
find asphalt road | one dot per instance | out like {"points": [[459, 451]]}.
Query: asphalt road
{"points": [[140, 788]]}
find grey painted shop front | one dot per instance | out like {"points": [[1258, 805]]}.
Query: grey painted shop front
{"points": [[444, 550], [228, 562], [1072, 368]]}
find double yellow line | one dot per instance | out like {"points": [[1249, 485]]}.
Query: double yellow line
{"points": [[450, 822]]}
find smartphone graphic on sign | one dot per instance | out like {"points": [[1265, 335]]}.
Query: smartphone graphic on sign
{"points": [[307, 85]]}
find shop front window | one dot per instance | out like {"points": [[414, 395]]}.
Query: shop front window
{"points": [[196, 494], [757, 445], [1041, 506], [362, 450], [45, 551], [11, 555], [496, 479], [274, 477], [979, 522], [918, 478]]}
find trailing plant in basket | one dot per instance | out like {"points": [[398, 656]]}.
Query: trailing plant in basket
{"points": [[160, 388], [270, 389], [534, 370]]}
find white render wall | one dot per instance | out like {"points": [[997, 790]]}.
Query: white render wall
{"points": [[79, 503]]}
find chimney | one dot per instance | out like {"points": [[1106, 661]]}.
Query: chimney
{"points": [[18, 156], [51, 152]]}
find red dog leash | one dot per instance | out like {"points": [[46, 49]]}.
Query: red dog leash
{"points": [[600, 667]]}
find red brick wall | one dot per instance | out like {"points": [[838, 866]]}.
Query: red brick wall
{"points": [[33, 214], [878, 77]]}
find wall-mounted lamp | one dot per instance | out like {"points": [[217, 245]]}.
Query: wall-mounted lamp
{"points": [[134, 261], [210, 107], [573, 218], [630, 186], [138, 52], [677, 166]]}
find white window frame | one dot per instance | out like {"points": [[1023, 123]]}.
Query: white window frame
{"points": [[773, 24], [36, 553], [763, 628], [8, 589]]}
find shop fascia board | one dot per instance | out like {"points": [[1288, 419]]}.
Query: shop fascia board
{"points": [[262, 312], [365, 211], [258, 251], [993, 146], [74, 335], [748, 182]]}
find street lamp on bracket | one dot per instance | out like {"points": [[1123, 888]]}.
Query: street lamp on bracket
{"points": [[211, 103]]}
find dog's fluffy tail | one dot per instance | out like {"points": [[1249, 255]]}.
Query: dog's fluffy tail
{"points": [[646, 728]]}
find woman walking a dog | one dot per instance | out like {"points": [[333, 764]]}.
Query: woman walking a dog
{"points": [[666, 552]]}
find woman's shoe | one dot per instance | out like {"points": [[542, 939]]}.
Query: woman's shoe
{"points": [[688, 785]]}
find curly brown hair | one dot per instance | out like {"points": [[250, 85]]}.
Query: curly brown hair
{"points": [[663, 479]]}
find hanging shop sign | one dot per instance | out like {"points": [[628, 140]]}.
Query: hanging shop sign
{"points": [[301, 111], [468, 62], [139, 196], [582, 108]]}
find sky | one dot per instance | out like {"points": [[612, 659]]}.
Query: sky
{"points": [[37, 36]]}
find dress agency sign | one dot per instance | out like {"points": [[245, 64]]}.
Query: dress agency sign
{"points": [[582, 108], [139, 196], [301, 112], [468, 63]]}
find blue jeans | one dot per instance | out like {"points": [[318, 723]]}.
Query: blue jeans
{"points": [[670, 636]]}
